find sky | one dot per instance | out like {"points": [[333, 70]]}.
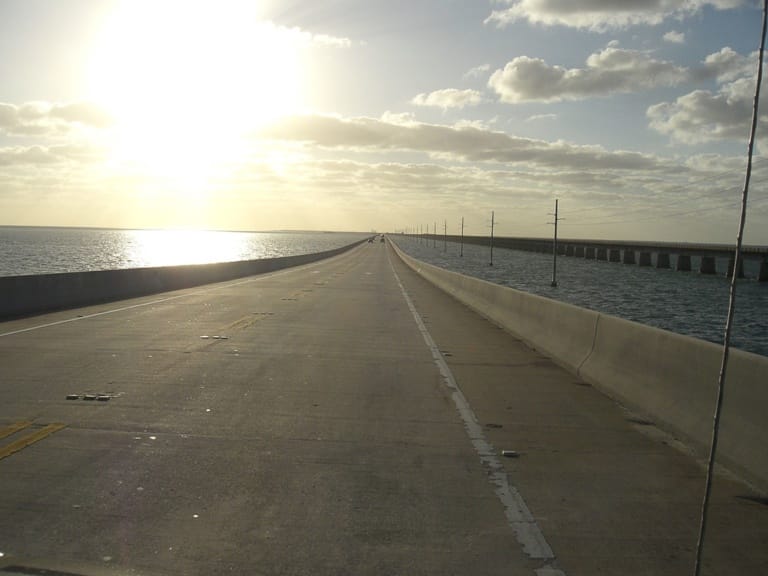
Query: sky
{"points": [[386, 115]]}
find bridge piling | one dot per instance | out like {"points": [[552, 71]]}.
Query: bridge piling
{"points": [[707, 265], [645, 259], [614, 255], [629, 256], [683, 263], [662, 260]]}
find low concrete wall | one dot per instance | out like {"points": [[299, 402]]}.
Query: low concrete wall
{"points": [[35, 294], [669, 378]]}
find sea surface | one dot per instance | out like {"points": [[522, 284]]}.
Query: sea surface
{"points": [[37, 250], [684, 302]]}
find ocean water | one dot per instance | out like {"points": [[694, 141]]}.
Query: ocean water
{"points": [[683, 302], [36, 250]]}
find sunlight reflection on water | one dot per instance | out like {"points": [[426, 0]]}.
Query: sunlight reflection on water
{"points": [[174, 247], [52, 250]]}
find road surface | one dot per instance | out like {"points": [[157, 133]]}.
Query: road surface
{"points": [[344, 417]]}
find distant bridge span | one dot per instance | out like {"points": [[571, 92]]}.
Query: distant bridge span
{"points": [[706, 258]]}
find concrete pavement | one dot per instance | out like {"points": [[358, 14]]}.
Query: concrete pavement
{"points": [[316, 435]]}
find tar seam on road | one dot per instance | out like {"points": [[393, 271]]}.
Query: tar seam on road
{"points": [[237, 283], [518, 515]]}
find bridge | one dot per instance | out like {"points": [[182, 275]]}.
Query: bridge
{"points": [[704, 258], [345, 416]]}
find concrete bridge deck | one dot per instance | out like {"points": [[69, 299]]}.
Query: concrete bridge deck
{"points": [[303, 422]]}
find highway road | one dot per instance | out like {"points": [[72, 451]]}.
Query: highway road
{"points": [[343, 417]]}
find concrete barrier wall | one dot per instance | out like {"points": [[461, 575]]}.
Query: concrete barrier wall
{"points": [[669, 378], [35, 294]]}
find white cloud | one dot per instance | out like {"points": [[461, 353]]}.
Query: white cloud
{"points": [[463, 143], [727, 65], [449, 98], [24, 156], [39, 155], [609, 71], [674, 37], [295, 36], [706, 115], [477, 71], [537, 117], [600, 15], [44, 118], [326, 40]]}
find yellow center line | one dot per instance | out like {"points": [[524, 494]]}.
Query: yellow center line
{"points": [[29, 439], [13, 428]]}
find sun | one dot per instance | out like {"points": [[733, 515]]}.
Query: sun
{"points": [[187, 82]]}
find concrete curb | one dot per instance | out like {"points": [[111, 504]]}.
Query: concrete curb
{"points": [[667, 377]]}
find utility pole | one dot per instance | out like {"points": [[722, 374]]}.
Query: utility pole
{"points": [[554, 248], [492, 223], [434, 236], [445, 235], [461, 253]]}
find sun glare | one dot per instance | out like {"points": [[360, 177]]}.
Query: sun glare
{"points": [[187, 81]]}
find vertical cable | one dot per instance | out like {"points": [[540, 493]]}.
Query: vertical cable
{"points": [[731, 303]]}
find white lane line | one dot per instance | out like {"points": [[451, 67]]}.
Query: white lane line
{"points": [[158, 301], [526, 529]]}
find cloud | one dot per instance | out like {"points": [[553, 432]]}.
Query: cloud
{"points": [[612, 70], [33, 155], [726, 65], [44, 118], [300, 37], [601, 15], [43, 155], [705, 116], [711, 115], [537, 117], [464, 143], [449, 98], [674, 37], [477, 71]]}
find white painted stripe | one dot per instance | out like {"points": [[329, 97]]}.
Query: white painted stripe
{"points": [[527, 530]]}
